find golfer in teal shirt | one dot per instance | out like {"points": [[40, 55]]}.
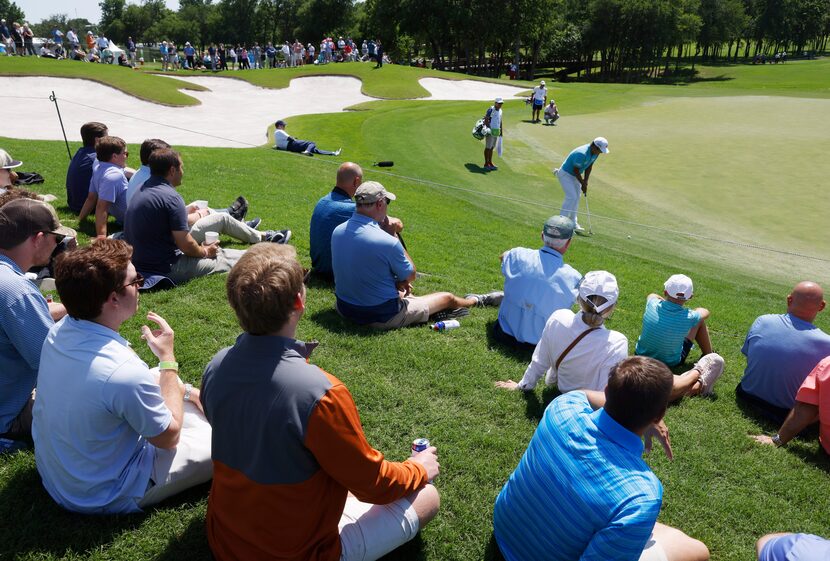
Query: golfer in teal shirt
{"points": [[574, 173]]}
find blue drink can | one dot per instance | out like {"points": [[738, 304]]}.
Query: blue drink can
{"points": [[419, 445]]}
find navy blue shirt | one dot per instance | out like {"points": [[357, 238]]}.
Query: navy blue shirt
{"points": [[154, 213], [78, 176]]}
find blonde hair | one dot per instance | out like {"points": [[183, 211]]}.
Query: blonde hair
{"points": [[590, 316]]}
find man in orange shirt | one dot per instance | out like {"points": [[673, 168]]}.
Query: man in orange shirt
{"points": [[294, 475], [812, 403]]}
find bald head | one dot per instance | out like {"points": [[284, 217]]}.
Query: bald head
{"points": [[806, 301], [349, 177]]}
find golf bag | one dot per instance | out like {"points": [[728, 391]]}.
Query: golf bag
{"points": [[480, 130]]}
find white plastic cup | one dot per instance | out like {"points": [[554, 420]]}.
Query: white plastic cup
{"points": [[200, 204], [211, 237]]}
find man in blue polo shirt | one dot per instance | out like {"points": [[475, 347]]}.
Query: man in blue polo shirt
{"points": [[781, 350], [373, 272], [334, 209], [29, 233], [83, 163], [574, 172], [582, 489], [536, 284]]}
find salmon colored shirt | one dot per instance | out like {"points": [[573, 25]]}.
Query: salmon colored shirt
{"points": [[816, 391]]}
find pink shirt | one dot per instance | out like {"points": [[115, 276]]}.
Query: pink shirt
{"points": [[816, 391]]}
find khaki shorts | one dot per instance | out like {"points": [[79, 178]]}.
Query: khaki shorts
{"points": [[413, 310], [368, 532], [490, 141]]}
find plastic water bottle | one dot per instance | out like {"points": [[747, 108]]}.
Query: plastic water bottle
{"points": [[445, 325]]}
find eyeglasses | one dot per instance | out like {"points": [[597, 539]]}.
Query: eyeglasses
{"points": [[138, 281]]}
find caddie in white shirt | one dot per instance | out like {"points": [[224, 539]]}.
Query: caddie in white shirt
{"points": [[538, 100]]}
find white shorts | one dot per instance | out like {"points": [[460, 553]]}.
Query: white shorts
{"points": [[653, 551], [368, 532]]}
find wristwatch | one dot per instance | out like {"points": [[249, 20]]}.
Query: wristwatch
{"points": [[187, 389], [776, 439]]}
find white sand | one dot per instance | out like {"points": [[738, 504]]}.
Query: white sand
{"points": [[467, 89], [233, 113]]}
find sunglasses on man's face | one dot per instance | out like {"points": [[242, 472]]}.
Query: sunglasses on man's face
{"points": [[138, 281], [58, 237]]}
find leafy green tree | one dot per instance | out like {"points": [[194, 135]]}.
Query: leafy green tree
{"points": [[11, 12], [318, 18]]}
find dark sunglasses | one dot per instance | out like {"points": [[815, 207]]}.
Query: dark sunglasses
{"points": [[58, 237]]}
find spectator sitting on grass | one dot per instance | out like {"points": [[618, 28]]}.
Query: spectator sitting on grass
{"points": [[373, 272], [158, 230], [812, 403], [793, 547], [9, 178], [83, 163], [536, 284], [114, 436], [29, 233], [319, 490], [582, 489], [334, 209], [306, 147], [228, 220], [576, 351], [781, 350], [108, 186]]}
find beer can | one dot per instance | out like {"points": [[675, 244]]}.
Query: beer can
{"points": [[420, 444]]}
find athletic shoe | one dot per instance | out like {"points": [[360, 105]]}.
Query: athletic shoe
{"points": [[710, 367], [307, 153], [489, 299], [444, 315], [276, 236], [337, 152], [494, 168], [254, 223], [239, 208]]}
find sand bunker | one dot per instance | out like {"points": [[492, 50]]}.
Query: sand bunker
{"points": [[233, 113], [467, 89]]}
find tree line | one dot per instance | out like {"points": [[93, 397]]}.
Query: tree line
{"points": [[619, 40]]}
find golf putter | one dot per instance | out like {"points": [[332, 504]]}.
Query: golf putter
{"points": [[588, 212]]}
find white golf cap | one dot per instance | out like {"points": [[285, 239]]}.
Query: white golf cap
{"points": [[679, 286], [602, 143], [499, 100], [599, 283], [542, 83]]}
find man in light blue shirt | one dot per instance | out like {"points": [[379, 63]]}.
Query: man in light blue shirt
{"points": [[108, 186], [582, 489], [29, 233], [574, 172], [373, 272], [115, 436], [781, 350], [536, 284]]}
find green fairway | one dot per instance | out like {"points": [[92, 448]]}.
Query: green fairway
{"points": [[709, 159]]}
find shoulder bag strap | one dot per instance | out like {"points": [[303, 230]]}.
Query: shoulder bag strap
{"points": [[572, 345]]}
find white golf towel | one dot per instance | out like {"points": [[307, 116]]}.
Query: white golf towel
{"points": [[500, 146]]}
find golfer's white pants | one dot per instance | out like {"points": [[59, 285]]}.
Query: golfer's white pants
{"points": [[572, 189]]}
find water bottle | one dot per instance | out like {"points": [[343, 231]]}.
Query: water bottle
{"points": [[445, 325]]}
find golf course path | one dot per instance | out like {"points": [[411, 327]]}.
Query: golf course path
{"points": [[233, 114]]}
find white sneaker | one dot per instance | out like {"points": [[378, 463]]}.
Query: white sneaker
{"points": [[710, 368], [337, 152]]}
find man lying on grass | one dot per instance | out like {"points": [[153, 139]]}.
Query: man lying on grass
{"points": [[582, 489], [373, 273], [111, 435], [283, 141], [294, 477]]}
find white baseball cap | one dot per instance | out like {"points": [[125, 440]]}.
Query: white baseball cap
{"points": [[679, 286], [602, 143], [499, 100], [542, 83], [599, 283]]}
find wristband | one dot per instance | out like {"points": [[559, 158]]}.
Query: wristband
{"points": [[169, 365], [187, 389]]}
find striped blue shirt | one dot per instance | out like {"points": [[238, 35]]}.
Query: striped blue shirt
{"points": [[665, 326], [24, 323], [581, 491]]}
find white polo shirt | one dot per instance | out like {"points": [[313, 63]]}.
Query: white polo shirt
{"points": [[540, 93], [586, 366], [281, 139]]}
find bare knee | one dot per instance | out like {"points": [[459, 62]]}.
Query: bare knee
{"points": [[678, 546], [759, 545], [704, 314], [426, 502]]}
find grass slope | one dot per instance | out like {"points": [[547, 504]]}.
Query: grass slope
{"points": [[721, 488]]}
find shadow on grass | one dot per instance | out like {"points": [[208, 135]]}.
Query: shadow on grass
{"points": [[492, 551], [35, 525], [412, 550], [534, 407], [333, 322], [521, 354], [190, 544], [475, 168]]}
